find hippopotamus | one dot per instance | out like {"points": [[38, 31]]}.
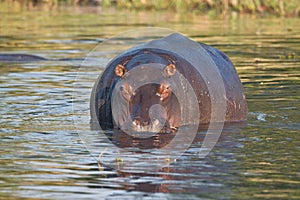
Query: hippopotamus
{"points": [[21, 57], [154, 105], [18, 57]]}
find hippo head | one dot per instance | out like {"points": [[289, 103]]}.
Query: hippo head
{"points": [[148, 107]]}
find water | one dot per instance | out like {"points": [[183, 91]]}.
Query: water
{"points": [[42, 155]]}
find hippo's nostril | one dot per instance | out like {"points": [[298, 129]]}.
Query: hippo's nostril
{"points": [[140, 122], [135, 122], [156, 123]]}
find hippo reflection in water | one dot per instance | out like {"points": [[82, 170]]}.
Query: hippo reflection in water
{"points": [[136, 104]]}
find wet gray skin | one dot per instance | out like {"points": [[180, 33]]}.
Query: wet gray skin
{"points": [[140, 101], [19, 57]]}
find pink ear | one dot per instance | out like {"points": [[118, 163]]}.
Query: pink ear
{"points": [[169, 70], [164, 90], [120, 70]]}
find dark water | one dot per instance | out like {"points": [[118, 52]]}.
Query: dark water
{"points": [[43, 156]]}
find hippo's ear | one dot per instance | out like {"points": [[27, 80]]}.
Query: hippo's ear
{"points": [[120, 70], [169, 70]]}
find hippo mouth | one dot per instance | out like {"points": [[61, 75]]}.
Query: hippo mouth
{"points": [[154, 126], [157, 122]]}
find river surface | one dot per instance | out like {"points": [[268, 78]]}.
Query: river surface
{"points": [[45, 151]]}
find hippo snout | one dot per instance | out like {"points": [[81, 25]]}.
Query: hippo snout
{"points": [[154, 122]]}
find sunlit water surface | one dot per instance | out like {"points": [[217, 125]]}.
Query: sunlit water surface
{"points": [[42, 155]]}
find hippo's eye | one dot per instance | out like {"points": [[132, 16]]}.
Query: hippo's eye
{"points": [[164, 91], [126, 91]]}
